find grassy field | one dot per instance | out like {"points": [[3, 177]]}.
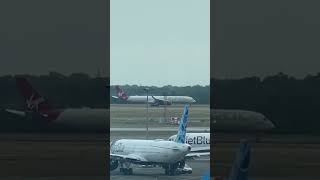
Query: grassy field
{"points": [[134, 115]]}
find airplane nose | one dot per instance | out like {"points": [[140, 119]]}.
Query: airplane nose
{"points": [[270, 125]]}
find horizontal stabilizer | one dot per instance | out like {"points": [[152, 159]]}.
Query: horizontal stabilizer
{"points": [[130, 157], [16, 112]]}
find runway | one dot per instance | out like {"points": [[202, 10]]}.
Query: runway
{"points": [[134, 115], [199, 167]]}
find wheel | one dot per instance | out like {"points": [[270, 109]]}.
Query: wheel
{"points": [[172, 169], [125, 171], [171, 172], [130, 171], [166, 171], [181, 164]]}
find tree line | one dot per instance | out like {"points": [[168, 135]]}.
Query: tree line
{"points": [[292, 104]]}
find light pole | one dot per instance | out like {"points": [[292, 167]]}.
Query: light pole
{"points": [[147, 124]]}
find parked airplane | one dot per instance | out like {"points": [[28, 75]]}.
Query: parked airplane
{"points": [[154, 100], [169, 154], [39, 108]]}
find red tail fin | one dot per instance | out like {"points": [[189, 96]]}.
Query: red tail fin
{"points": [[121, 94], [33, 100]]}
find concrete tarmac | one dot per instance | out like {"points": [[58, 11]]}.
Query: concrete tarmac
{"points": [[134, 115], [163, 129], [199, 167]]}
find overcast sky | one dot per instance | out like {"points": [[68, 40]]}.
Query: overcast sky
{"points": [[160, 42], [265, 37], [38, 36]]}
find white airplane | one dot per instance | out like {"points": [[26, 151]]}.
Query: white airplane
{"points": [[170, 155], [40, 109], [154, 100], [239, 120]]}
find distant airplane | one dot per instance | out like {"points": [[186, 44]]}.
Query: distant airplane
{"points": [[170, 154], [38, 107], [239, 120], [154, 100]]}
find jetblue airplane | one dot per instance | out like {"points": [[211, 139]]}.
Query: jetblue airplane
{"points": [[171, 155], [154, 100]]}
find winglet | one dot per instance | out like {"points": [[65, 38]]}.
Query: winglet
{"points": [[181, 136], [241, 164]]}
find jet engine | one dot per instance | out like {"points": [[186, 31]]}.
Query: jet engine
{"points": [[113, 165]]}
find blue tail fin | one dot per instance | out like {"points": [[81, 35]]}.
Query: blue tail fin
{"points": [[181, 136], [241, 165]]}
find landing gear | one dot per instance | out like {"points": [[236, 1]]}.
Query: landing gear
{"points": [[126, 171], [181, 164], [170, 169], [166, 170]]}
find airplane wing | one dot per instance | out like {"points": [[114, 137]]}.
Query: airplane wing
{"points": [[16, 112], [200, 149], [197, 155], [160, 101], [130, 157]]}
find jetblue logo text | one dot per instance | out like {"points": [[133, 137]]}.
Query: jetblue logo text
{"points": [[195, 140], [198, 140]]}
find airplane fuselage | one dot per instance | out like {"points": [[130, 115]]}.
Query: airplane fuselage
{"points": [[239, 120], [171, 99], [152, 151], [84, 118]]}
